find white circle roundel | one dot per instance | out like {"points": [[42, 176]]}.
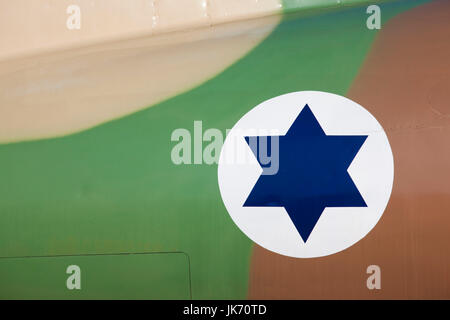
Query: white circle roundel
{"points": [[306, 174]]}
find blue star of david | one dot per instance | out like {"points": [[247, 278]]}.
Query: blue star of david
{"points": [[312, 173]]}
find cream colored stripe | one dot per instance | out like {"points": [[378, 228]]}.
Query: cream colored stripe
{"points": [[31, 26], [66, 91]]}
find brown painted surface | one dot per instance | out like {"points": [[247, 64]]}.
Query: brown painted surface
{"points": [[405, 84]]}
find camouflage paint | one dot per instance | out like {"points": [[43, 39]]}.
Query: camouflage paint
{"points": [[114, 189], [403, 82]]}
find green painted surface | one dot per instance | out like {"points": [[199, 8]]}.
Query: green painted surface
{"points": [[114, 188], [135, 276], [305, 5]]}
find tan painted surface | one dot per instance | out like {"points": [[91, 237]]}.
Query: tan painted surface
{"points": [[405, 84], [31, 26], [65, 91]]}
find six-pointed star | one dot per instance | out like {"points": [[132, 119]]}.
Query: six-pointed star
{"points": [[312, 173]]}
